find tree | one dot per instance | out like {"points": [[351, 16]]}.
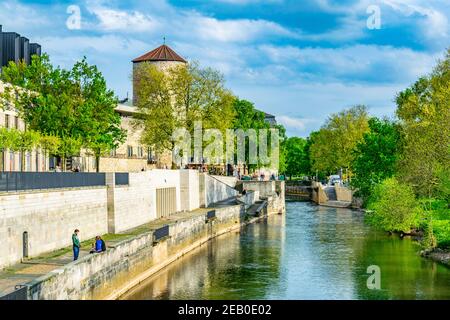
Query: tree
{"points": [[375, 157], [248, 117], [332, 146], [394, 207], [296, 157], [424, 113], [177, 98], [73, 105]]}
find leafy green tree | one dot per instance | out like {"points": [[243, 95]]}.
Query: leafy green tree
{"points": [[248, 117], [70, 104], [296, 157], [424, 113], [375, 157], [177, 98], [333, 144], [394, 207]]}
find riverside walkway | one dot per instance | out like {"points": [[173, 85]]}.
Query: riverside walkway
{"points": [[11, 278]]}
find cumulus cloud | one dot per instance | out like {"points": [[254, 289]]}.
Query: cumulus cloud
{"points": [[113, 20]]}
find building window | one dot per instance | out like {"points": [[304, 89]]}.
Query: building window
{"points": [[6, 121], [28, 162], [130, 151], [140, 152], [16, 122], [113, 153]]}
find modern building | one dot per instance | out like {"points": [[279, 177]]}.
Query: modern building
{"points": [[14, 47]]}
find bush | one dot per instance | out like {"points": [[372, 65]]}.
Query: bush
{"points": [[394, 207], [441, 229]]}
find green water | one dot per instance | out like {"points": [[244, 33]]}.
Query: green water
{"points": [[309, 253]]}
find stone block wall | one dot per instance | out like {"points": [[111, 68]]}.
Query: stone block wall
{"points": [[109, 274], [49, 218]]}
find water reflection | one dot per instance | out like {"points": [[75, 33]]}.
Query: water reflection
{"points": [[310, 253]]}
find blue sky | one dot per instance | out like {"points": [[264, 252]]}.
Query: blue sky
{"points": [[299, 60]]}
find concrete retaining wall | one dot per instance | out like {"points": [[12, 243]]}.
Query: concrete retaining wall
{"points": [[318, 194], [343, 194], [108, 275], [49, 218], [216, 190], [265, 188]]}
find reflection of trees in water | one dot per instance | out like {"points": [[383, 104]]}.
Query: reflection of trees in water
{"points": [[404, 274], [233, 266]]}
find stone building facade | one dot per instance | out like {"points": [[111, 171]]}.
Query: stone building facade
{"points": [[15, 160]]}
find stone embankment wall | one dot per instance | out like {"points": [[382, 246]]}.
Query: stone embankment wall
{"points": [[49, 217], [108, 275], [113, 273]]}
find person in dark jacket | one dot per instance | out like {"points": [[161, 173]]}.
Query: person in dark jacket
{"points": [[99, 245], [76, 244]]}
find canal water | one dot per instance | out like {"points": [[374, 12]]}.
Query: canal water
{"points": [[310, 253]]}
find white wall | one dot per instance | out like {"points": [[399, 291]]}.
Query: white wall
{"points": [[189, 190], [50, 219], [217, 191], [134, 205]]}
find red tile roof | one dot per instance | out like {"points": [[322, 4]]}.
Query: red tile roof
{"points": [[162, 53]]}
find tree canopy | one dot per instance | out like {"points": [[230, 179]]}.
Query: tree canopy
{"points": [[333, 144], [74, 105], [375, 157], [424, 113], [177, 98]]}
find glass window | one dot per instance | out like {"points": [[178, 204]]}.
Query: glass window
{"points": [[130, 151]]}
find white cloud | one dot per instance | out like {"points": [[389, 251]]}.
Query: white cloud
{"points": [[244, 2], [113, 20], [238, 30], [17, 17], [298, 124]]}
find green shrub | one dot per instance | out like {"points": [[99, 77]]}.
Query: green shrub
{"points": [[394, 207], [441, 229]]}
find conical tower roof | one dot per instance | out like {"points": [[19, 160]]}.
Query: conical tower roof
{"points": [[162, 53]]}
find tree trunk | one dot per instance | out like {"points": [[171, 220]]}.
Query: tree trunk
{"points": [[97, 163]]}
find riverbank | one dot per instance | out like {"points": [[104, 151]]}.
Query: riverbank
{"points": [[310, 253], [438, 255]]}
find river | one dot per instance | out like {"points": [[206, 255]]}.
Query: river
{"points": [[310, 253]]}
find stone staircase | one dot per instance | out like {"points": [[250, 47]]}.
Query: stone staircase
{"points": [[331, 193]]}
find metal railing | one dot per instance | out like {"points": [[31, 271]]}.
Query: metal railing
{"points": [[122, 179], [20, 293], [22, 181]]}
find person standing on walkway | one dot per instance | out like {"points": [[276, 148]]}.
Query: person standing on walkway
{"points": [[76, 245]]}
